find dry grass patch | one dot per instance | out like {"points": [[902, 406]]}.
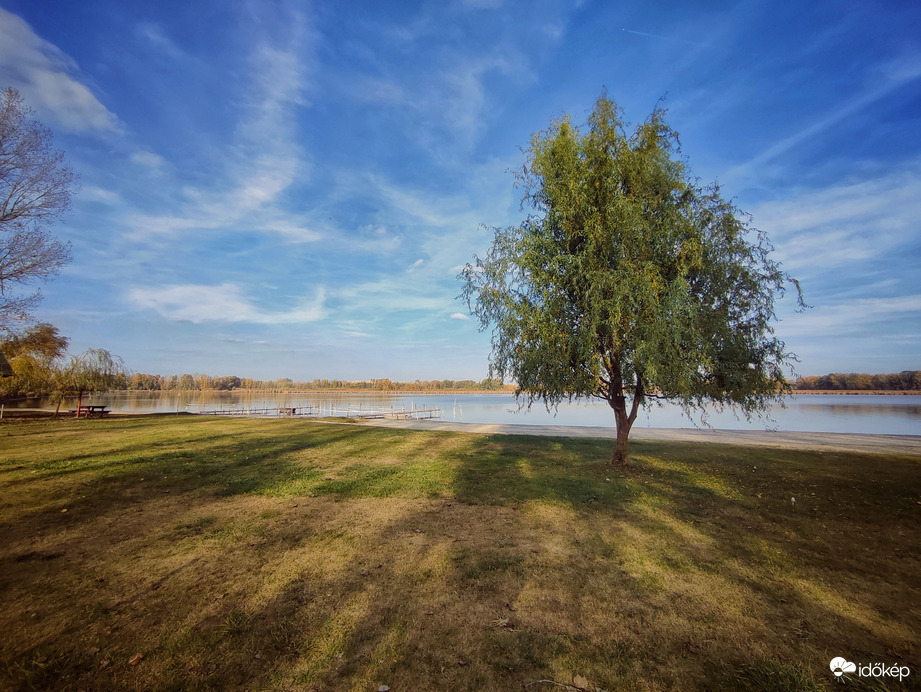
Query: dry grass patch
{"points": [[291, 555]]}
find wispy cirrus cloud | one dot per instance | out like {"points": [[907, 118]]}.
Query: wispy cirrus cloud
{"points": [[445, 98], [264, 158], [155, 36], [851, 317], [886, 79], [48, 79], [224, 302], [846, 223]]}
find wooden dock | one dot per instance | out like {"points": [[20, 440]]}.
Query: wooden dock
{"points": [[315, 411], [402, 414], [299, 411]]}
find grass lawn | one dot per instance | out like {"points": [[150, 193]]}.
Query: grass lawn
{"points": [[185, 553]]}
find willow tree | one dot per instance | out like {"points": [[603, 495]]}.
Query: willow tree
{"points": [[628, 281], [94, 370]]}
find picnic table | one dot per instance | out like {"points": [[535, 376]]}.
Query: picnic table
{"points": [[90, 411]]}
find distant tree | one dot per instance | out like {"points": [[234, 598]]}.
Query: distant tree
{"points": [[95, 370], [41, 367], [35, 189], [857, 381], [32, 356], [42, 341], [226, 383], [144, 382], [629, 282], [905, 380]]}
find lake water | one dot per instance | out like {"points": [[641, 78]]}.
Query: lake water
{"points": [[853, 413]]}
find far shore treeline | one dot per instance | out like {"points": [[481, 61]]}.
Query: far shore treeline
{"points": [[907, 380], [186, 382]]}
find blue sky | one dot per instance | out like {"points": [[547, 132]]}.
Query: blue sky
{"points": [[289, 189]]}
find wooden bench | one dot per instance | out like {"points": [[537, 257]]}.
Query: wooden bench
{"points": [[90, 411]]}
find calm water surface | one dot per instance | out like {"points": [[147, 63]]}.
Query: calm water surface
{"points": [[861, 413]]}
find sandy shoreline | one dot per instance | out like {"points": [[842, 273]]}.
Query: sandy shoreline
{"points": [[889, 444]]}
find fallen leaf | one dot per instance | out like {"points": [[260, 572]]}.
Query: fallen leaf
{"points": [[137, 658], [383, 688], [104, 664], [690, 647]]}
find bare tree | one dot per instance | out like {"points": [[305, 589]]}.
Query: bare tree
{"points": [[35, 190]]}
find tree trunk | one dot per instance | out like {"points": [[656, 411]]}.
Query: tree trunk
{"points": [[621, 445], [618, 401]]}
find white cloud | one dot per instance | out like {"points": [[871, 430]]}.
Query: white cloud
{"points": [[458, 94], [93, 193], [155, 36], [147, 159], [45, 77], [445, 96], [375, 239], [892, 77], [377, 298], [292, 230], [459, 316], [849, 222], [264, 159], [852, 317], [222, 303]]}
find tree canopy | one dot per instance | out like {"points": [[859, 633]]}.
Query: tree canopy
{"points": [[628, 281], [40, 367], [35, 189]]}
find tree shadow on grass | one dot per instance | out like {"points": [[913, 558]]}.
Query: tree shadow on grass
{"points": [[475, 563]]}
